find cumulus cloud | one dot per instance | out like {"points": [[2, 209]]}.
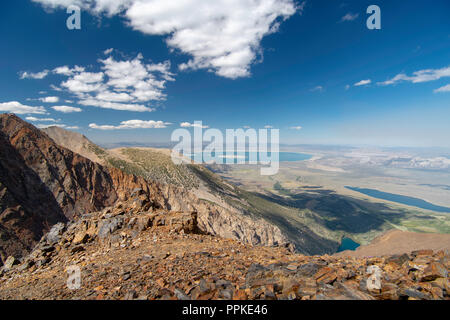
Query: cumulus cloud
{"points": [[60, 125], [37, 75], [18, 108], [132, 124], [221, 36], [49, 99], [419, 76], [84, 82], [363, 83], [34, 119], [65, 70], [128, 85], [443, 89], [66, 109], [350, 17], [192, 125], [114, 106]]}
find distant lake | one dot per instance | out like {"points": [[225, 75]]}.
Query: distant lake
{"points": [[410, 201], [283, 156], [348, 244]]}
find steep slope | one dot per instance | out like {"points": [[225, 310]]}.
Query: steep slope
{"points": [[27, 207], [77, 184], [75, 142], [41, 184]]}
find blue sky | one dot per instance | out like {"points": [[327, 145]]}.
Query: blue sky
{"points": [[229, 66]]}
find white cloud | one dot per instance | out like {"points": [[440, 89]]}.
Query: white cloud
{"points": [[84, 82], [419, 76], [65, 70], [192, 125], [18, 108], [114, 106], [37, 75], [46, 125], [66, 109], [56, 88], [49, 99], [363, 83], [297, 128], [443, 89], [132, 124], [114, 96], [143, 82], [108, 51], [350, 16], [34, 119], [222, 36], [268, 127], [347, 87], [318, 88], [120, 85]]}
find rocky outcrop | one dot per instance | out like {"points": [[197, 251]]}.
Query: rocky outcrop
{"points": [[41, 184], [75, 142], [212, 218], [77, 184], [225, 222], [27, 207]]}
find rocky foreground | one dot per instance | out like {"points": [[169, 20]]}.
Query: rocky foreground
{"points": [[133, 251]]}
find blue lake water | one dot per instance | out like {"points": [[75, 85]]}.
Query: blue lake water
{"points": [[348, 244], [410, 201], [247, 156]]}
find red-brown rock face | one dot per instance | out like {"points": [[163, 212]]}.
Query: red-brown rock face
{"points": [[42, 183]]}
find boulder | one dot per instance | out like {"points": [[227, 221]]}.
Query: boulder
{"points": [[9, 263], [433, 271], [107, 227], [55, 233]]}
